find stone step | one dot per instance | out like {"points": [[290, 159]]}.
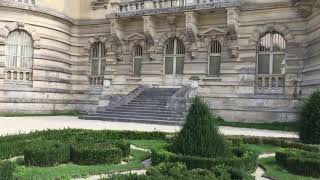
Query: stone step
{"points": [[138, 106], [151, 114], [152, 98], [139, 116], [147, 103], [132, 120], [144, 108], [119, 109]]}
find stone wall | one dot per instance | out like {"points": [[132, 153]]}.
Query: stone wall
{"points": [[311, 71]]}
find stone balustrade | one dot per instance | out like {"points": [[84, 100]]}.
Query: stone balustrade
{"points": [[26, 2], [149, 7], [269, 83], [96, 80], [18, 75]]}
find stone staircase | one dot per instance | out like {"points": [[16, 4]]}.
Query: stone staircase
{"points": [[149, 106]]}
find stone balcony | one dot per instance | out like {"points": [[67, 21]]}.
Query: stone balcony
{"points": [[22, 2], [150, 7]]}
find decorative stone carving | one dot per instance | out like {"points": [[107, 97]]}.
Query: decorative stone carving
{"points": [[149, 29], [233, 22], [97, 4], [192, 25], [4, 32], [116, 30], [96, 39], [306, 7]]}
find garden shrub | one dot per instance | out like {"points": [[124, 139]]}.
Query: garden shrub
{"points": [[247, 162], [6, 170], [281, 142], [310, 119], [299, 162], [200, 135], [95, 153], [14, 145], [46, 153]]}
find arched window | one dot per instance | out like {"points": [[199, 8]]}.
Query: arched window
{"points": [[271, 62], [137, 60], [19, 50], [19, 57], [174, 57], [98, 63], [214, 58], [271, 54]]}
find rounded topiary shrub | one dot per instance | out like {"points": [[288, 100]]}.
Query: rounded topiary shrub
{"points": [[46, 153], [310, 119], [200, 135], [99, 153]]}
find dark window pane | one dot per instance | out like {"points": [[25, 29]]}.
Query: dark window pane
{"points": [[102, 66], [264, 64], [277, 63], [94, 67], [169, 65], [214, 65], [137, 66], [179, 65]]}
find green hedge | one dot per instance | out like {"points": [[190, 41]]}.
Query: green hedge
{"points": [[46, 153], [6, 170], [14, 145], [99, 153], [281, 142], [299, 162], [247, 162]]}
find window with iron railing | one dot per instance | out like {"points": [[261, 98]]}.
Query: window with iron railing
{"points": [[137, 60], [214, 59], [271, 61], [98, 63]]}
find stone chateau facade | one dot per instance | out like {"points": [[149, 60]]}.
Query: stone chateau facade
{"points": [[252, 60]]}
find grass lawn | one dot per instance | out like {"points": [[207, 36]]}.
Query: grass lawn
{"points": [[17, 114], [67, 171], [262, 148], [276, 172], [284, 126]]}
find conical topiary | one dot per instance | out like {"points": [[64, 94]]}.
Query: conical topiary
{"points": [[310, 119], [199, 135]]}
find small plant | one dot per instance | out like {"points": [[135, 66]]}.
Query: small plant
{"points": [[6, 170], [310, 119], [200, 135], [46, 153]]}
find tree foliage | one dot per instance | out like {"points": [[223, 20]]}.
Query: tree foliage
{"points": [[200, 135]]}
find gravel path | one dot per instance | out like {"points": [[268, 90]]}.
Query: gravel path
{"points": [[15, 125], [258, 174]]}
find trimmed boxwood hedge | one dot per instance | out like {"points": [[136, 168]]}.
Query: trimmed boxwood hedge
{"points": [[299, 162], [14, 145], [247, 160], [282, 142], [99, 153], [46, 153]]}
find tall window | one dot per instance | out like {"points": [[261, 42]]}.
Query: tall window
{"points": [[19, 50], [214, 59], [174, 57], [137, 60], [271, 54], [98, 59]]}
